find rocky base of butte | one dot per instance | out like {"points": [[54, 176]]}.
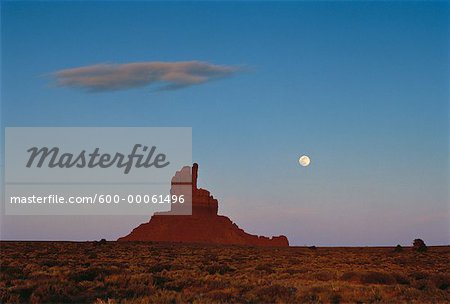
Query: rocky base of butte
{"points": [[204, 226]]}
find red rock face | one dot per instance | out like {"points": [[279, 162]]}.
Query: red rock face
{"points": [[203, 226]]}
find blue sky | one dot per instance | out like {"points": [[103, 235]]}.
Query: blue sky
{"points": [[362, 88]]}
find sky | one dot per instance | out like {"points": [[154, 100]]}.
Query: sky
{"points": [[360, 87]]}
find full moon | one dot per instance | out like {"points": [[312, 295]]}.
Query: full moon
{"points": [[304, 161]]}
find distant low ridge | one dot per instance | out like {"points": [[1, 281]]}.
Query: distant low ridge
{"points": [[203, 226]]}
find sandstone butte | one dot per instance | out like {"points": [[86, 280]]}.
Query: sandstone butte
{"points": [[203, 226]]}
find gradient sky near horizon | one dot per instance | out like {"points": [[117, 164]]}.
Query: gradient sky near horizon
{"points": [[360, 87]]}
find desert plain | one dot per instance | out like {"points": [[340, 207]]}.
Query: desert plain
{"points": [[149, 272]]}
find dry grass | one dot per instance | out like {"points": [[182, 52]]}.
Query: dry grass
{"points": [[64, 272]]}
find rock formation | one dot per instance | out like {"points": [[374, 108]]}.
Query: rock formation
{"points": [[204, 225]]}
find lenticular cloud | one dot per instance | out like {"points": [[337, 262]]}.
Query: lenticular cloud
{"points": [[166, 75]]}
